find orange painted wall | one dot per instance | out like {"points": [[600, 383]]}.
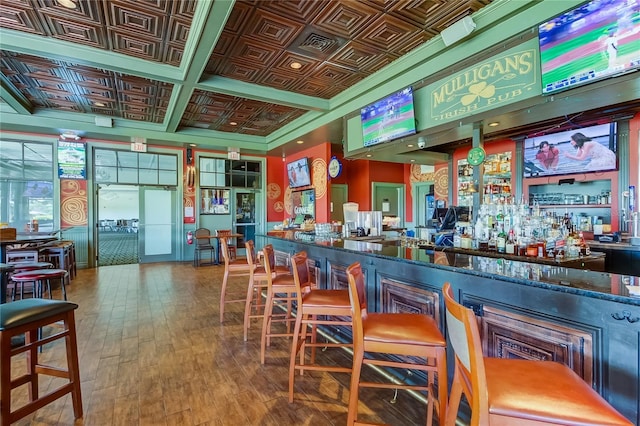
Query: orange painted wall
{"points": [[279, 204], [439, 177]]}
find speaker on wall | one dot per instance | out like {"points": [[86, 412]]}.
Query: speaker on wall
{"points": [[458, 30]]}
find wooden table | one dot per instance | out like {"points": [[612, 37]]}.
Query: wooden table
{"points": [[217, 247], [25, 241]]}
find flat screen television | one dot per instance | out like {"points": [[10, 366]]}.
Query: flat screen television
{"points": [[304, 205], [391, 117], [581, 150], [597, 40], [72, 160], [298, 173]]}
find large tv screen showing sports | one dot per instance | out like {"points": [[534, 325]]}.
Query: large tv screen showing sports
{"points": [[389, 118], [597, 40], [582, 150], [298, 173]]}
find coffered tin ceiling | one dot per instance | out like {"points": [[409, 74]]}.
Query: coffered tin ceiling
{"points": [[218, 73], [218, 65]]}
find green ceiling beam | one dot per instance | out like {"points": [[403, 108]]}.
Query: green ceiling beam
{"points": [[123, 130], [207, 25], [13, 97], [43, 47], [241, 89]]}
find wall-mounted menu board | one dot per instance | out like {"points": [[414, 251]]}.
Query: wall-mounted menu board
{"points": [[72, 160]]}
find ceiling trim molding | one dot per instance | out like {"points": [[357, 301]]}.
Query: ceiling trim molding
{"points": [[13, 97]]}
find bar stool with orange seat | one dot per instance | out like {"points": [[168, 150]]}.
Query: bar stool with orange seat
{"points": [[233, 267], [404, 334], [280, 290], [314, 307], [254, 305], [507, 391], [26, 317]]}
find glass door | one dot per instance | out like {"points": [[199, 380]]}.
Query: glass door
{"points": [[157, 226], [245, 222]]}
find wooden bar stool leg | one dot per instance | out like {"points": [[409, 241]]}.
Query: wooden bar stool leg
{"points": [[73, 364]]}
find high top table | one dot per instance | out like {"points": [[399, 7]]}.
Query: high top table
{"points": [[4, 281], [31, 240]]}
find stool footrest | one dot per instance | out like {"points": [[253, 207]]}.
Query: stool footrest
{"points": [[40, 342], [52, 371], [47, 399]]}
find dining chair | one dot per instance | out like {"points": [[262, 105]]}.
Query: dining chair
{"points": [[203, 244], [511, 391], [409, 341]]}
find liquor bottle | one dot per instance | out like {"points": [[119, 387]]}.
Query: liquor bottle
{"points": [[510, 247], [501, 240]]}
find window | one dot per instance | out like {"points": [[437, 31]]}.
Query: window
{"points": [[26, 184], [229, 173], [142, 168]]}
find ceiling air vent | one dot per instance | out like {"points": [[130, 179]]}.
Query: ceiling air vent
{"points": [[316, 44]]}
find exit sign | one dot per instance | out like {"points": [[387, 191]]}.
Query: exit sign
{"points": [[233, 155], [138, 147]]}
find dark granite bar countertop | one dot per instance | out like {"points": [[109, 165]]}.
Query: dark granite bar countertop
{"points": [[601, 285], [613, 246]]}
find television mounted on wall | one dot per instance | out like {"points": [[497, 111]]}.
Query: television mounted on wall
{"points": [[597, 40], [298, 173], [580, 150], [390, 118]]}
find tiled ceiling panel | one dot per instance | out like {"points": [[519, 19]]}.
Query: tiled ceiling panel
{"points": [[52, 84], [144, 29], [220, 112], [348, 37]]}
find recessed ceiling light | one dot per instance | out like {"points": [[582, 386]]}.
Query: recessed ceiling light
{"points": [[193, 144], [295, 65], [368, 155], [493, 124], [410, 145], [300, 142], [413, 160], [233, 123], [99, 104], [69, 4]]}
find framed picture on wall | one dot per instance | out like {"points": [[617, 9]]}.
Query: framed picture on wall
{"points": [[215, 201]]}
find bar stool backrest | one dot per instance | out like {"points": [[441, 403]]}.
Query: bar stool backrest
{"points": [[224, 249], [464, 336], [250, 249], [301, 275], [358, 297]]}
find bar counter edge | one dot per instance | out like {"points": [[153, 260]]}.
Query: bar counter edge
{"points": [[584, 319]]}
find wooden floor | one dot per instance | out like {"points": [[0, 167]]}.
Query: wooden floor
{"points": [[153, 352]]}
